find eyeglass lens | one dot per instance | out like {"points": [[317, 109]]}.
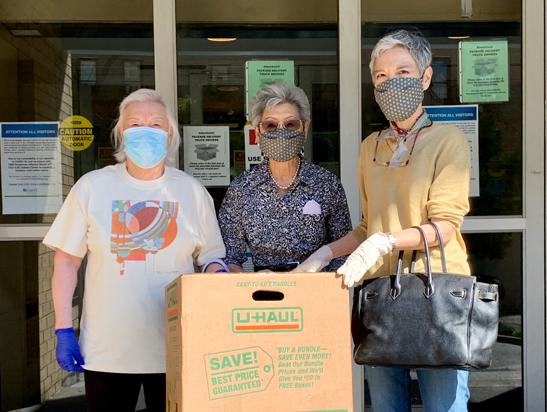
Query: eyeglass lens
{"points": [[290, 124]]}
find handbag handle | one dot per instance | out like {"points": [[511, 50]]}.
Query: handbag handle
{"points": [[441, 248], [441, 244], [430, 287]]}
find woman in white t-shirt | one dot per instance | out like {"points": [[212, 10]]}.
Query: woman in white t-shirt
{"points": [[141, 224]]}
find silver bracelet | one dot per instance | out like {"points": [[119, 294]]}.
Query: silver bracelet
{"points": [[392, 240]]}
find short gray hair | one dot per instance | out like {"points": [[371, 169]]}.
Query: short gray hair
{"points": [[145, 96], [279, 93], [412, 40]]}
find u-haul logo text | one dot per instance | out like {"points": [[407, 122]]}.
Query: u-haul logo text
{"points": [[253, 320]]}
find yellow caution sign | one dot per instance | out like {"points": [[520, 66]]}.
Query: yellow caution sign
{"points": [[76, 133]]}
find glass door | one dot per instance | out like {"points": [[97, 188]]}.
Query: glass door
{"points": [[73, 76], [213, 70], [499, 226]]}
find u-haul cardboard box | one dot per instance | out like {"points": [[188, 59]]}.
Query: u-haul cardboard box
{"points": [[258, 343]]}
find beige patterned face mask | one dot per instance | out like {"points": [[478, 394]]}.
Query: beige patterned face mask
{"points": [[399, 97], [281, 145]]}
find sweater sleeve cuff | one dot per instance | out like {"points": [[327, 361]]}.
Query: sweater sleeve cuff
{"points": [[359, 233]]}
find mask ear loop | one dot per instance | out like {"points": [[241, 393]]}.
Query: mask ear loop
{"points": [[170, 136], [122, 138], [305, 129], [257, 138]]}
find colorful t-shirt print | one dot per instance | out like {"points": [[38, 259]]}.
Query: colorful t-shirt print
{"points": [[140, 228], [155, 240]]}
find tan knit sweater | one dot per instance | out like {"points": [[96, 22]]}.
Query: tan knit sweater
{"points": [[433, 186]]}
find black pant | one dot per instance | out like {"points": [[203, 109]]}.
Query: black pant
{"points": [[119, 392]]}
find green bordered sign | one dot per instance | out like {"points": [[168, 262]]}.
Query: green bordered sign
{"points": [[484, 71], [238, 372], [267, 320], [262, 73]]}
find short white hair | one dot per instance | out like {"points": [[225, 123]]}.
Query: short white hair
{"points": [[279, 93], [412, 40], [145, 96]]}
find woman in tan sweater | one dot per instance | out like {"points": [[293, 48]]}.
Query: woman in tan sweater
{"points": [[409, 174]]}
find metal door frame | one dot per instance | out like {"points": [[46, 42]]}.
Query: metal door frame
{"points": [[531, 224]]}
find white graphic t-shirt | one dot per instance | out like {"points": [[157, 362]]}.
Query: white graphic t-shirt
{"points": [[138, 236]]}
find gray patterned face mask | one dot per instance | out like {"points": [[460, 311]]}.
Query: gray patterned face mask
{"points": [[399, 97], [281, 145]]}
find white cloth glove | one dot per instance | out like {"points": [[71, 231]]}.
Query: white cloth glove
{"points": [[317, 260], [364, 257]]}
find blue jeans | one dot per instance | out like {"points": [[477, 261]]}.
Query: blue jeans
{"points": [[442, 390]]}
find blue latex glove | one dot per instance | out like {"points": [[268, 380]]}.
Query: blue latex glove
{"points": [[68, 351]]}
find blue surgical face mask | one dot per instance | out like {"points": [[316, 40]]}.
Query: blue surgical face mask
{"points": [[145, 146]]}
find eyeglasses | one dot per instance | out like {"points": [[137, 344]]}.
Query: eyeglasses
{"points": [[387, 163], [289, 124], [409, 154]]}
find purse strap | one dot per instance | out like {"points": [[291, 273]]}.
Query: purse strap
{"points": [[441, 244], [430, 287], [415, 252]]}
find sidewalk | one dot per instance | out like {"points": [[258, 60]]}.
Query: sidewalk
{"points": [[71, 399], [496, 388]]}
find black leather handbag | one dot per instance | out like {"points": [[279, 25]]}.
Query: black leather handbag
{"points": [[425, 320]]}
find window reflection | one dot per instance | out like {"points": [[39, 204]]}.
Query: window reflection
{"points": [[497, 257], [500, 124], [212, 81]]}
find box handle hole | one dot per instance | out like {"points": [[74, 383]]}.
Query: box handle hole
{"points": [[267, 295]]}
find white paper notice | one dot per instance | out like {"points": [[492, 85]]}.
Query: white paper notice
{"points": [[465, 118], [253, 154], [32, 180], [207, 154]]}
